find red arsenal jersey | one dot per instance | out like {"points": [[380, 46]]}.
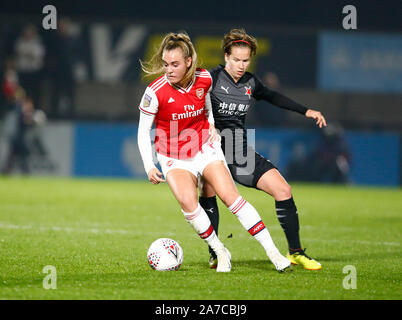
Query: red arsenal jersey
{"points": [[180, 115]]}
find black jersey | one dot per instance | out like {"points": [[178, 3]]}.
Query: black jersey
{"points": [[232, 100]]}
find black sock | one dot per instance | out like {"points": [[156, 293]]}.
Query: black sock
{"points": [[210, 206], [288, 218]]}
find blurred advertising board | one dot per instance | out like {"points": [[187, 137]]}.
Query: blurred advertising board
{"points": [[366, 62]]}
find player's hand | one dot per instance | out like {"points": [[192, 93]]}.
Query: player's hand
{"points": [[155, 176], [213, 134], [317, 116]]}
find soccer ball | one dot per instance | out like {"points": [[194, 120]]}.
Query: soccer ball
{"points": [[165, 254]]}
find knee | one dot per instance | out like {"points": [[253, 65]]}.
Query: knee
{"points": [[283, 192], [229, 198], [188, 202]]}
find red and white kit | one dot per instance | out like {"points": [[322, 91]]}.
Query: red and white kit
{"points": [[182, 117]]}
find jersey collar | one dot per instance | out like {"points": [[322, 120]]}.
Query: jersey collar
{"points": [[181, 89]]}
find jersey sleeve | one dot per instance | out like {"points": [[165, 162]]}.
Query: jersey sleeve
{"points": [[208, 74], [208, 108], [149, 102], [144, 140], [208, 104], [262, 92]]}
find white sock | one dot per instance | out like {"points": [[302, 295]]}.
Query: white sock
{"points": [[201, 224], [251, 221]]}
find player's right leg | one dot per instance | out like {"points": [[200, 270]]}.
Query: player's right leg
{"points": [[267, 178], [183, 185]]}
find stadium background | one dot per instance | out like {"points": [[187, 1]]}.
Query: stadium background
{"points": [[89, 83]]}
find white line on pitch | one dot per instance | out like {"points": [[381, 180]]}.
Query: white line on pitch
{"points": [[128, 232]]}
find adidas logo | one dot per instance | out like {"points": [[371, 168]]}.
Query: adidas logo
{"points": [[171, 100]]}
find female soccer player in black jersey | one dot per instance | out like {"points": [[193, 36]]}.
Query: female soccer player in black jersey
{"points": [[234, 91]]}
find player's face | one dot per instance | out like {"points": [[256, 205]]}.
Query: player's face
{"points": [[175, 65], [238, 61]]}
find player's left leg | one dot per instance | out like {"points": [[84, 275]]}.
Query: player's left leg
{"points": [[274, 184], [218, 176], [207, 200]]}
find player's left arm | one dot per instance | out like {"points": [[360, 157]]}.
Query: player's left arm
{"points": [[281, 101], [213, 133], [317, 116]]}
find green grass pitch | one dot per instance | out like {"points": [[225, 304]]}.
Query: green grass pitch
{"points": [[96, 233]]}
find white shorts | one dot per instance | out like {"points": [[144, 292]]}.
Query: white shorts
{"points": [[196, 165]]}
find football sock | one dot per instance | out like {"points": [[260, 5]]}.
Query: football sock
{"points": [[288, 218], [201, 224], [251, 221], [210, 207]]}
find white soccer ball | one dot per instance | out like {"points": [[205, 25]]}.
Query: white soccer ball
{"points": [[165, 254]]}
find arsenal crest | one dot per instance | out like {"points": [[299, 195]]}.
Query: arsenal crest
{"points": [[200, 93]]}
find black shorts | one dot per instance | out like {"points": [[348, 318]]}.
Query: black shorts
{"points": [[250, 172]]}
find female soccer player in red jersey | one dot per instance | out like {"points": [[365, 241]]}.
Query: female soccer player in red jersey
{"points": [[188, 146], [234, 91]]}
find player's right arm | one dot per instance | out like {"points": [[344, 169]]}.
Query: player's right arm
{"points": [[148, 110]]}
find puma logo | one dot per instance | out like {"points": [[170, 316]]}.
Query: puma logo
{"points": [[225, 89]]}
